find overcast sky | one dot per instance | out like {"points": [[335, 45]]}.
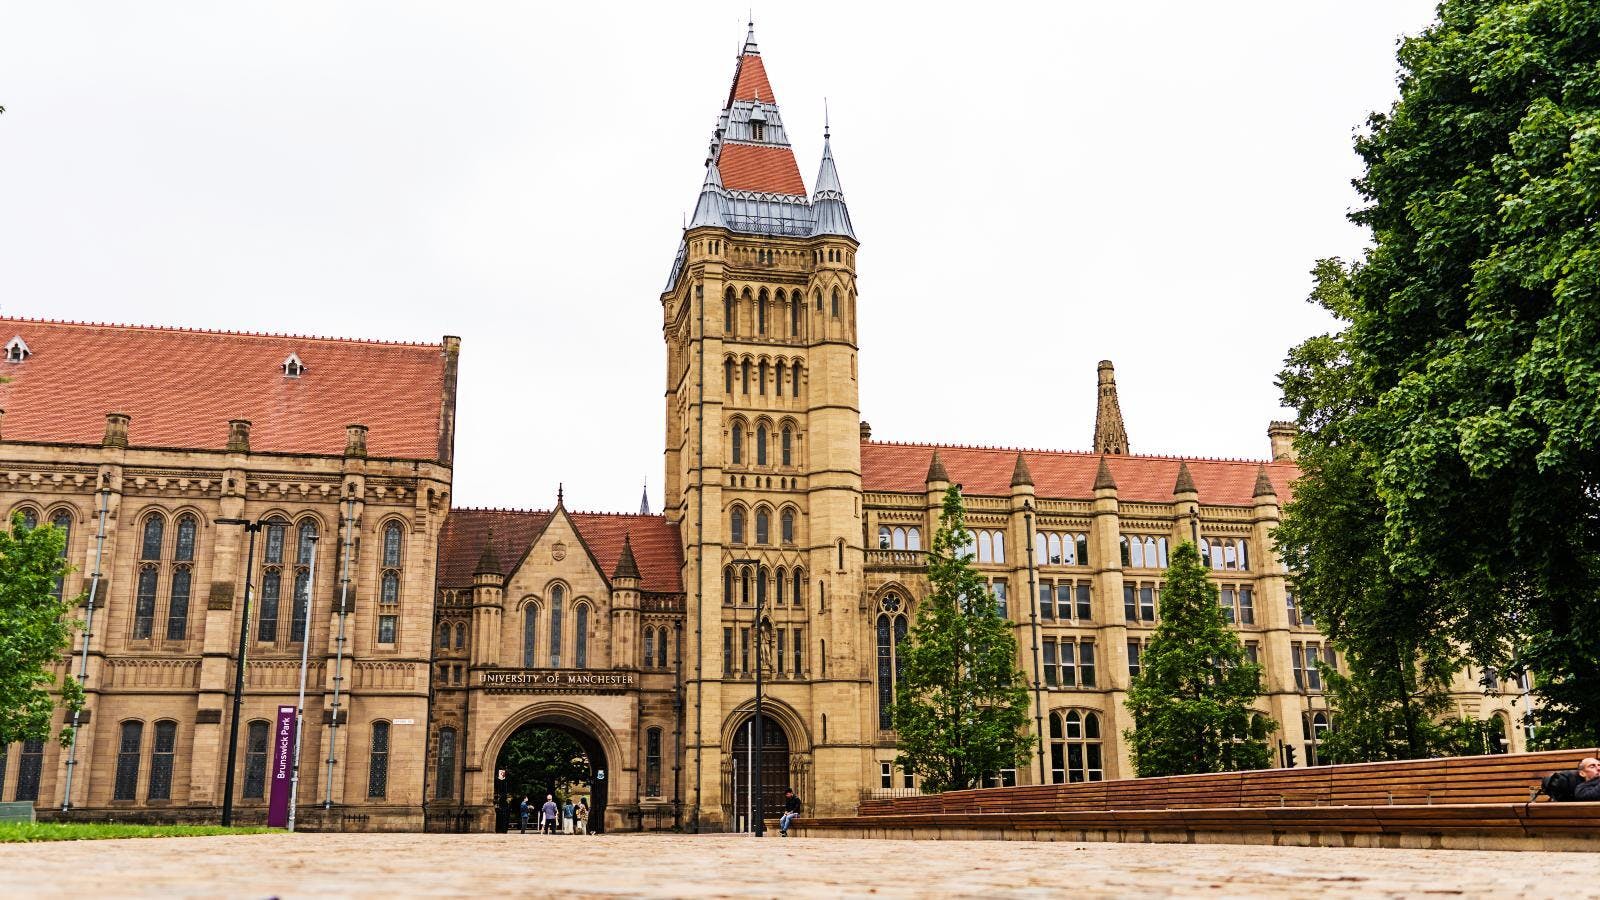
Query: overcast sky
{"points": [[1036, 187]]}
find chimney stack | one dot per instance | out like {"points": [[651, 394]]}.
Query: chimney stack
{"points": [[1282, 435], [116, 431], [238, 435], [355, 440]]}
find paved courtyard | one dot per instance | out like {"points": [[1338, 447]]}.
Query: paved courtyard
{"points": [[373, 865]]}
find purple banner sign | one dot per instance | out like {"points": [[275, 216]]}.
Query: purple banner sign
{"points": [[282, 761]]}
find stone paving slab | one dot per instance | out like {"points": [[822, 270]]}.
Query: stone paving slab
{"points": [[407, 865]]}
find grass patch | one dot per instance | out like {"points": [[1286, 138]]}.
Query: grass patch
{"points": [[27, 832]]}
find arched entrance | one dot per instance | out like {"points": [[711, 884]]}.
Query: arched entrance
{"points": [[774, 756], [549, 752]]}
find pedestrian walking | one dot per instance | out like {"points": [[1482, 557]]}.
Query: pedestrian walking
{"points": [[568, 821], [582, 814], [550, 811], [525, 809]]}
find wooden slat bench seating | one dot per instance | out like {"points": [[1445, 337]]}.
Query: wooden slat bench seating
{"points": [[1480, 801]]}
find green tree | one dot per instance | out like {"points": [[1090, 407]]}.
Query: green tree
{"points": [[962, 709], [35, 629], [1192, 702], [1464, 391], [541, 761]]}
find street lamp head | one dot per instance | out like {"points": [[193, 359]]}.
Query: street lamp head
{"points": [[231, 521]]}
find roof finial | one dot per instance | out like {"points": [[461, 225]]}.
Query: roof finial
{"points": [[644, 499], [826, 128], [561, 493]]}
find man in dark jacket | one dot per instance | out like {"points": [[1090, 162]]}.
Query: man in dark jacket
{"points": [[791, 808], [1589, 771]]}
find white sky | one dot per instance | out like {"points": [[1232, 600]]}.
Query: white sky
{"points": [[1036, 188]]}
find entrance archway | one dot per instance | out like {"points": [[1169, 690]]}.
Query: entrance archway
{"points": [[774, 755], [545, 751]]}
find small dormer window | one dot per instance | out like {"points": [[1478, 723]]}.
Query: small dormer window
{"points": [[758, 122], [293, 367], [17, 350], [758, 131]]}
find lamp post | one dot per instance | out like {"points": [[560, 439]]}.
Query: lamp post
{"points": [[253, 527], [758, 817], [300, 704]]}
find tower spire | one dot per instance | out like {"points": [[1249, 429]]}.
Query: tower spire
{"points": [[833, 216], [1110, 436], [644, 500]]}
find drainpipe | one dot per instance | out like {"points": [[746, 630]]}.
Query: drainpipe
{"points": [[88, 632]]}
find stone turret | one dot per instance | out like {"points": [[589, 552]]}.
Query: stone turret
{"points": [[1282, 435], [1110, 436], [488, 588]]}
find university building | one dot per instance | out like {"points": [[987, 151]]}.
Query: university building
{"points": [[436, 634]]}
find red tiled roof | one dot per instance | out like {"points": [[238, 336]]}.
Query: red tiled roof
{"points": [[1067, 475], [656, 546], [747, 167], [182, 386], [750, 81]]}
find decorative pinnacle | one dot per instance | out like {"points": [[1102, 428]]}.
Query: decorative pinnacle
{"points": [[1263, 483], [627, 567], [488, 561], [936, 470], [1020, 475], [826, 128], [1185, 483], [1103, 479], [561, 493]]}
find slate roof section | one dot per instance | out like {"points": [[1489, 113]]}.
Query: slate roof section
{"points": [[750, 78], [657, 548], [1067, 475], [181, 386]]}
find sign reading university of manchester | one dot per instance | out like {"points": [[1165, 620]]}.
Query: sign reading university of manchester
{"points": [[565, 681]]}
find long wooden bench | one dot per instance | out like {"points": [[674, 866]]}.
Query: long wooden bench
{"points": [[1479, 801]]}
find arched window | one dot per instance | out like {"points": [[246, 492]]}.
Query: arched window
{"points": [[761, 441], [378, 761], [444, 637], [144, 602], [913, 538], [777, 379], [557, 595], [891, 633], [885, 537], [1075, 750], [154, 530], [780, 586], [787, 446], [736, 525], [661, 647], [738, 443], [530, 633], [271, 582], [652, 762], [161, 756], [389, 584], [727, 586], [745, 374], [727, 376], [744, 585], [62, 520], [182, 581], [763, 527], [30, 518], [126, 786], [786, 526], [836, 303], [817, 295], [305, 549], [797, 576], [649, 646], [255, 761], [761, 313], [1316, 729], [727, 312], [761, 587], [761, 384], [461, 635], [794, 316], [580, 636], [30, 766], [446, 777]]}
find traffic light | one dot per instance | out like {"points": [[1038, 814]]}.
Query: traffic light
{"points": [[1288, 755]]}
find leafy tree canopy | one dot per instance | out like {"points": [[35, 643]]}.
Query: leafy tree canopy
{"points": [[1461, 401], [35, 629], [961, 713], [541, 761], [1192, 702]]}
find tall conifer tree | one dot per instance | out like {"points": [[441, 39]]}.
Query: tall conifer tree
{"points": [[962, 709], [1192, 700]]}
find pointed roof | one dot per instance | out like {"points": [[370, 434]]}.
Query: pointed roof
{"points": [[833, 217], [654, 542], [488, 560], [1185, 482], [712, 207], [1019, 473], [1109, 434], [1102, 477], [644, 500], [626, 566], [936, 470], [1264, 486]]}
